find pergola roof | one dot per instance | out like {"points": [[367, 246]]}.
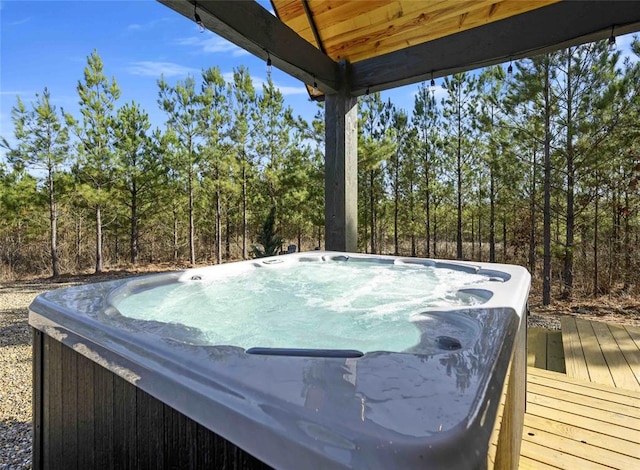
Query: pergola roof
{"points": [[390, 43]]}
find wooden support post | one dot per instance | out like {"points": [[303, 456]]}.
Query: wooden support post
{"points": [[510, 438], [341, 167]]}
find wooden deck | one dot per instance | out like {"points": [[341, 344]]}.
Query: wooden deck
{"points": [[573, 420], [602, 353]]}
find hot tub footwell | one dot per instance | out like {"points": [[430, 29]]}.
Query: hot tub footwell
{"points": [[85, 416]]}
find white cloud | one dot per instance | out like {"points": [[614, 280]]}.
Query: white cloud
{"points": [[293, 90], [286, 90], [155, 69], [19, 22], [212, 45], [147, 26], [16, 93]]}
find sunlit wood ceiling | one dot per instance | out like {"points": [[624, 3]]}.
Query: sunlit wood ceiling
{"points": [[390, 43], [358, 30]]}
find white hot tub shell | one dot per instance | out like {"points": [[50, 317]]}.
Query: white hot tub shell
{"points": [[432, 405]]}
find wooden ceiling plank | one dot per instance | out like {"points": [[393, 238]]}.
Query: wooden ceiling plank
{"points": [[410, 34], [328, 12], [253, 28], [288, 9], [525, 35], [385, 15], [374, 17], [414, 30], [312, 25]]}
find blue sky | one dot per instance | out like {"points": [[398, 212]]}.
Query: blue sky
{"points": [[46, 43]]}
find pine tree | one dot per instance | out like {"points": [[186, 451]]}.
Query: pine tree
{"points": [[137, 168], [94, 132], [426, 120], [244, 136], [270, 241], [374, 148], [42, 144], [182, 104], [459, 108], [214, 118]]}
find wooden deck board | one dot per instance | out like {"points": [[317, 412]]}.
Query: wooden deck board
{"points": [[588, 417], [551, 379], [584, 436], [555, 352], [630, 422], [585, 400], [544, 349], [578, 448], [576, 364], [537, 347], [555, 458], [634, 333], [574, 424], [596, 363], [602, 353], [619, 368], [527, 463], [628, 347]]}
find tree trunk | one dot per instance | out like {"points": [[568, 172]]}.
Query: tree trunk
{"points": [[396, 203], [133, 236], [435, 232], [570, 220], [372, 209], [473, 237], [459, 193], [192, 234], [245, 255], [116, 246], [175, 235], [427, 204], [596, 281], [53, 218], [492, 217], [627, 239], [546, 230], [412, 218], [218, 220], [479, 232], [78, 241], [98, 240], [504, 237], [532, 216], [227, 237]]}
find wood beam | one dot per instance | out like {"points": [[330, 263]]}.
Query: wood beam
{"points": [[254, 29], [341, 168], [546, 29]]}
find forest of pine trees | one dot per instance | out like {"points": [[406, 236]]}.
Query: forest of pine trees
{"points": [[537, 167]]}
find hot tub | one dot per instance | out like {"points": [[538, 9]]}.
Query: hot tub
{"points": [[308, 360]]}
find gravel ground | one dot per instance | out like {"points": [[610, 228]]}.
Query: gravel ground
{"points": [[15, 374], [15, 362], [15, 365]]}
